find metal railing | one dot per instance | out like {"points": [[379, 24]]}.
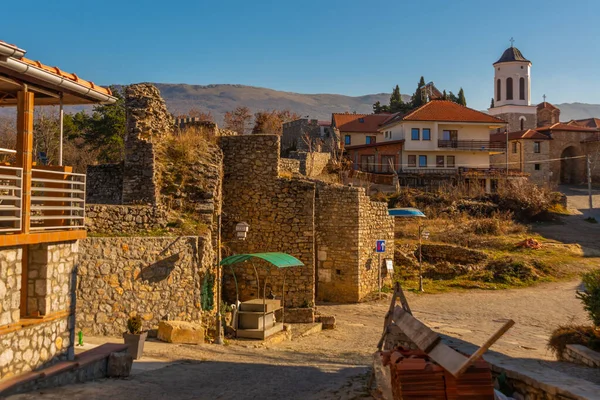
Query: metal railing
{"points": [[481, 145], [11, 198], [57, 200], [419, 171]]}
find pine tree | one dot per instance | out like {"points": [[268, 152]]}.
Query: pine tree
{"points": [[461, 98], [492, 103], [452, 97], [377, 107], [417, 98], [444, 95], [396, 103]]}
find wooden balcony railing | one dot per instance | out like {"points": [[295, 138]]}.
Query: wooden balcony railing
{"points": [[471, 145], [57, 199], [11, 197]]}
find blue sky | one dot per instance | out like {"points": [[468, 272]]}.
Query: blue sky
{"points": [[347, 47]]}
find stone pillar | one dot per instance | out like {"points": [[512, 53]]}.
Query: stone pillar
{"points": [[147, 122]]}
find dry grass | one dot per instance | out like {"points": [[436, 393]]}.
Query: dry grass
{"points": [[573, 334]]}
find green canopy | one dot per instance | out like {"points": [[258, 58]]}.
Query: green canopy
{"points": [[280, 260]]}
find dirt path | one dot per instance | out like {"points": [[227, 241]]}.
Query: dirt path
{"points": [[334, 364]]}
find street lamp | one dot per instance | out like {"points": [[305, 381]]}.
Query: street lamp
{"points": [[422, 235], [241, 231]]}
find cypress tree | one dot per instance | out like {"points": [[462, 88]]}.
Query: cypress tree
{"points": [[461, 98]]}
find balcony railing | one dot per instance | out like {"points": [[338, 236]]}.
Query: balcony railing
{"points": [[11, 198], [57, 200], [471, 145]]}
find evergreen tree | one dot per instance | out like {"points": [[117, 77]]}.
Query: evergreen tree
{"points": [[396, 103], [444, 95], [377, 107], [452, 97], [461, 98], [417, 99], [492, 103]]}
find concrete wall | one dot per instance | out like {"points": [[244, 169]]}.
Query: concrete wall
{"points": [[104, 184], [154, 277], [30, 343]]}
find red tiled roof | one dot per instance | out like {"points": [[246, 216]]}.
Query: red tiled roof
{"points": [[525, 134], [545, 104], [449, 111], [588, 122], [352, 122], [12, 46], [560, 126]]}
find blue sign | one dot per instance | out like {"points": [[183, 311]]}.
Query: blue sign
{"points": [[380, 248]]}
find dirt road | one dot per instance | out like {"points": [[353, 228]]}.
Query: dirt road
{"points": [[334, 364]]}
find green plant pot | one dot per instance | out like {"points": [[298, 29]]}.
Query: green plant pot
{"points": [[135, 343]]}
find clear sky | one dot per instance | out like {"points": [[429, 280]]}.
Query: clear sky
{"points": [[349, 47]]}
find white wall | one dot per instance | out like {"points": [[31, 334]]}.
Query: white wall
{"points": [[514, 70], [461, 159]]}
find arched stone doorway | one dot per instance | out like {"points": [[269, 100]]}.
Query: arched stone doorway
{"points": [[570, 171]]}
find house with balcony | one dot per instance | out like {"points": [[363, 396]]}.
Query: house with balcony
{"points": [[358, 129], [41, 220], [438, 142]]}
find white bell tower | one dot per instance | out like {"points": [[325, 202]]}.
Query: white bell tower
{"points": [[512, 90]]}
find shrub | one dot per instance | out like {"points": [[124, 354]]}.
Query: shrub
{"points": [[526, 200], [573, 334], [134, 325], [508, 270], [591, 296]]}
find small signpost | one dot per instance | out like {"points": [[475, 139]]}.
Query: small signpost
{"points": [[379, 248]]}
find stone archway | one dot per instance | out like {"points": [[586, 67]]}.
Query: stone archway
{"points": [[569, 166]]}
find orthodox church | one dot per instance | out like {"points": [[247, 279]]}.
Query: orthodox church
{"points": [[540, 145]]}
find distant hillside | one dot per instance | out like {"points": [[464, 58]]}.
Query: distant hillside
{"points": [[222, 98], [219, 99]]}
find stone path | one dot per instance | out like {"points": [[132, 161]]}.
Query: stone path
{"points": [[335, 364]]}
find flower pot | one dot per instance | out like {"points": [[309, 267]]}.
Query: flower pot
{"points": [[135, 343]]}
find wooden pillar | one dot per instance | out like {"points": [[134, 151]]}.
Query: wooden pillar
{"points": [[25, 103]]}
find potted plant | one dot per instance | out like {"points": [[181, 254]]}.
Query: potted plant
{"points": [[134, 337]]}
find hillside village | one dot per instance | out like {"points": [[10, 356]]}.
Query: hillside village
{"points": [[370, 255]]}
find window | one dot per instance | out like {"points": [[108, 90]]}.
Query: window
{"points": [[422, 161], [509, 89], [347, 140], [522, 121], [537, 167], [412, 161], [498, 89], [426, 134], [439, 161], [514, 147], [537, 147], [388, 163], [371, 139], [361, 120], [415, 133], [450, 161], [522, 88], [367, 163]]}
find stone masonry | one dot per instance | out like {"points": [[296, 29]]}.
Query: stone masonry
{"points": [[311, 163], [147, 121], [29, 343], [117, 220], [104, 184], [157, 278]]}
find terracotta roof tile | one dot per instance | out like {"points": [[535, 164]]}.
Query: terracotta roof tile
{"points": [[561, 126], [449, 111], [588, 122], [525, 134], [368, 123], [545, 104]]}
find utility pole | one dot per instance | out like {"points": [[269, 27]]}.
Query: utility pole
{"points": [[589, 180], [420, 259], [506, 133]]}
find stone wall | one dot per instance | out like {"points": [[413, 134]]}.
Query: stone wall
{"points": [[10, 285], [155, 277], [579, 354], [311, 164], [147, 121], [280, 213], [295, 132], [289, 166], [117, 220], [32, 343], [514, 121], [104, 184], [452, 254]]}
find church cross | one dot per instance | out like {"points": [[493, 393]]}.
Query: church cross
{"points": [[512, 42], [544, 96]]}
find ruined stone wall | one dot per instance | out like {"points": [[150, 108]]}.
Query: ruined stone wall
{"points": [[295, 132], [29, 344], [561, 141], [337, 243], [374, 224], [117, 220], [147, 121], [155, 277], [289, 166], [10, 284], [280, 213], [311, 164], [104, 184]]}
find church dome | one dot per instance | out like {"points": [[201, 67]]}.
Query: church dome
{"points": [[511, 54]]}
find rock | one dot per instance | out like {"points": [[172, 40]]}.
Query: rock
{"points": [[119, 365], [180, 332], [328, 321]]}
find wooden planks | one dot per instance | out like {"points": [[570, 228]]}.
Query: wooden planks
{"points": [[418, 332]]}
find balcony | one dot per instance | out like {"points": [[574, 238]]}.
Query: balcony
{"points": [[56, 201], [471, 145]]}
